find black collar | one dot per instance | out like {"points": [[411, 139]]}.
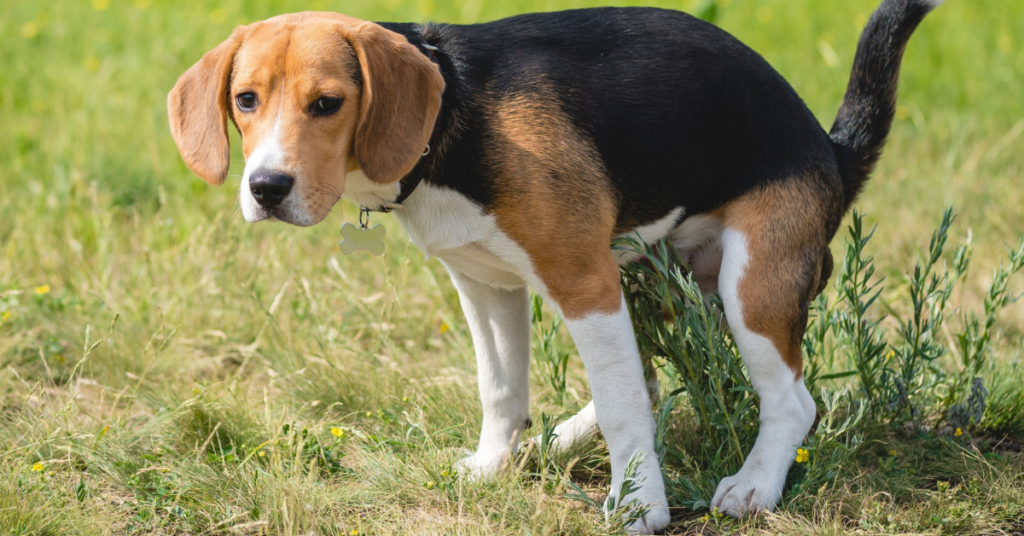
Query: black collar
{"points": [[413, 178]]}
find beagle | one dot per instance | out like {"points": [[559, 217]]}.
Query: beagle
{"points": [[515, 151]]}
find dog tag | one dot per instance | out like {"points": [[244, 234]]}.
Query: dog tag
{"points": [[362, 239]]}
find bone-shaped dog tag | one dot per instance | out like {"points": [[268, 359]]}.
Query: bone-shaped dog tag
{"points": [[361, 239]]}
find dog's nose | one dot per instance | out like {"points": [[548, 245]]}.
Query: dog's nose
{"points": [[269, 188]]}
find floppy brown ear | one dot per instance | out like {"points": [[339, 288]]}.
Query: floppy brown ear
{"points": [[198, 111], [401, 97]]}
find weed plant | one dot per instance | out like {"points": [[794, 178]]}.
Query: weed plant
{"points": [[925, 379]]}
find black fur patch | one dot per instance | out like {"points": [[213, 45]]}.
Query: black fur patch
{"points": [[681, 113]]}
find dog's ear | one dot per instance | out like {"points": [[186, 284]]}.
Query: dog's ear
{"points": [[401, 97], [198, 111]]}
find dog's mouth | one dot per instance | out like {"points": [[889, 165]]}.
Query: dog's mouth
{"points": [[287, 215]]}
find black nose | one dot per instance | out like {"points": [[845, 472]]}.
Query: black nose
{"points": [[269, 188]]}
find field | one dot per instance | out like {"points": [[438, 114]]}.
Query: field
{"points": [[167, 368]]}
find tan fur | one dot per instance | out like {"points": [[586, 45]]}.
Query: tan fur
{"points": [[786, 244], [554, 200], [198, 111], [290, 61], [401, 97]]}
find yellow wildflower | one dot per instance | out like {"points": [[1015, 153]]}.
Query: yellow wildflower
{"points": [[29, 30], [354, 532], [705, 518], [1005, 44], [100, 5], [369, 414], [959, 432], [444, 473], [7, 316], [405, 399], [44, 289], [37, 467], [262, 453], [430, 484], [444, 327], [892, 453], [337, 432], [802, 455], [218, 16]]}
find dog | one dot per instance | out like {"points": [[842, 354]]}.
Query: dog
{"points": [[515, 151]]}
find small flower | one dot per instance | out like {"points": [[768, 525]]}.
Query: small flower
{"points": [[444, 327], [100, 5], [892, 453], [892, 353], [705, 518], [92, 64], [959, 432], [405, 399], [369, 414], [217, 16], [37, 467], [429, 484], [261, 453], [802, 455], [41, 290], [337, 432], [29, 30], [354, 532], [444, 473], [7, 316]]}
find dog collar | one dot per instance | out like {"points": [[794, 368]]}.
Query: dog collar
{"points": [[414, 177]]}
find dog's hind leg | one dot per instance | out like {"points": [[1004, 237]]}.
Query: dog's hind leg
{"points": [[772, 245], [499, 321]]}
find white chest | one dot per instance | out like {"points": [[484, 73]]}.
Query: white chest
{"points": [[446, 224]]}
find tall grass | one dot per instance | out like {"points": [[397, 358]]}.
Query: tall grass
{"points": [[910, 385]]}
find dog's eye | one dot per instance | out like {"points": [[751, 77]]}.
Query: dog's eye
{"points": [[246, 101], [326, 106]]}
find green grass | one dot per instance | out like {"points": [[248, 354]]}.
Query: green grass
{"points": [[176, 343]]}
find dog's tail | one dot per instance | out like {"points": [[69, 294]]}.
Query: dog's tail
{"points": [[865, 116]]}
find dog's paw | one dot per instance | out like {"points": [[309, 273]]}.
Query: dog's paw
{"points": [[747, 493], [656, 519], [651, 494], [482, 465]]}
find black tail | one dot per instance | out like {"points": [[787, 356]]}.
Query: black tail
{"points": [[865, 116]]}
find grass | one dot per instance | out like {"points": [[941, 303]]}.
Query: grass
{"points": [[177, 371]]}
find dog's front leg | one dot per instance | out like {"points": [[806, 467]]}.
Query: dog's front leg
{"points": [[499, 321], [607, 345]]}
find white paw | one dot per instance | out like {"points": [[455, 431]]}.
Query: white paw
{"points": [[748, 492], [655, 520], [481, 465], [578, 428], [651, 494]]}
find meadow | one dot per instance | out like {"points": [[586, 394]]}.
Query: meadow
{"points": [[166, 368]]}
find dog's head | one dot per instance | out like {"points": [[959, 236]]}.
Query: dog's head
{"points": [[315, 96]]}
